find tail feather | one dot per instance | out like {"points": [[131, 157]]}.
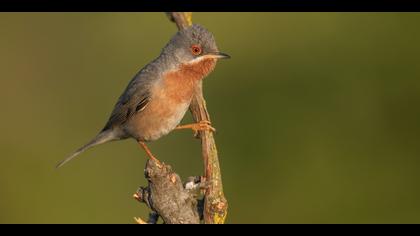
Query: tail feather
{"points": [[103, 137]]}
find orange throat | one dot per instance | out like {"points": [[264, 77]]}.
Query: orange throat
{"points": [[180, 84], [198, 70]]}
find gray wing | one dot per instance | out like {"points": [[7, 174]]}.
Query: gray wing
{"points": [[134, 99]]}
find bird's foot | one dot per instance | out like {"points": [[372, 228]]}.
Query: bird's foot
{"points": [[203, 125], [158, 163]]}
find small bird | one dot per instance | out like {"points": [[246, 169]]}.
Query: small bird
{"points": [[157, 98]]}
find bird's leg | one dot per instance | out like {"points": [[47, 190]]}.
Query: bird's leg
{"points": [[149, 153], [203, 125]]}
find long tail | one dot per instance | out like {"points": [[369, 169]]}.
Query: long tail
{"points": [[102, 137]]}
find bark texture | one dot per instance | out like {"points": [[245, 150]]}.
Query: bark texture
{"points": [[165, 195]]}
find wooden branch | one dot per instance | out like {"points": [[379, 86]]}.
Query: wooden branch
{"points": [[181, 19], [215, 205], [166, 195]]}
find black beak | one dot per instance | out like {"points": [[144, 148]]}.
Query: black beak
{"points": [[219, 55]]}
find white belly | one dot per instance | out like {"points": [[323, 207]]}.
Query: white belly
{"points": [[168, 123], [168, 105], [156, 120]]}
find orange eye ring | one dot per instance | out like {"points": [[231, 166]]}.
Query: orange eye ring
{"points": [[196, 50]]}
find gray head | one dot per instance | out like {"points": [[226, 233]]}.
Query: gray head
{"points": [[192, 45]]}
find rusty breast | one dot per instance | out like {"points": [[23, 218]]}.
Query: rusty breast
{"points": [[180, 83], [169, 101]]}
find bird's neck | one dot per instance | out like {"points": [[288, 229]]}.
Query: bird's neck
{"points": [[180, 83], [197, 70]]}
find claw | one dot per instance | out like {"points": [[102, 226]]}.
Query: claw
{"points": [[205, 125]]}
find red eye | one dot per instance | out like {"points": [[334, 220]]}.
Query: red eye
{"points": [[196, 50]]}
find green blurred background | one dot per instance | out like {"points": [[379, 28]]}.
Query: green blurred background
{"points": [[317, 116]]}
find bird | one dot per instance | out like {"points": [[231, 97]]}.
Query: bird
{"points": [[157, 98]]}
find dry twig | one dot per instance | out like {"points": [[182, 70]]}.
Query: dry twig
{"points": [[165, 195]]}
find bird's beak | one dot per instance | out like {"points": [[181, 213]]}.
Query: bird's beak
{"points": [[218, 55]]}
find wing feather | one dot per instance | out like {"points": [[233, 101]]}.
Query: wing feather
{"points": [[135, 98]]}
